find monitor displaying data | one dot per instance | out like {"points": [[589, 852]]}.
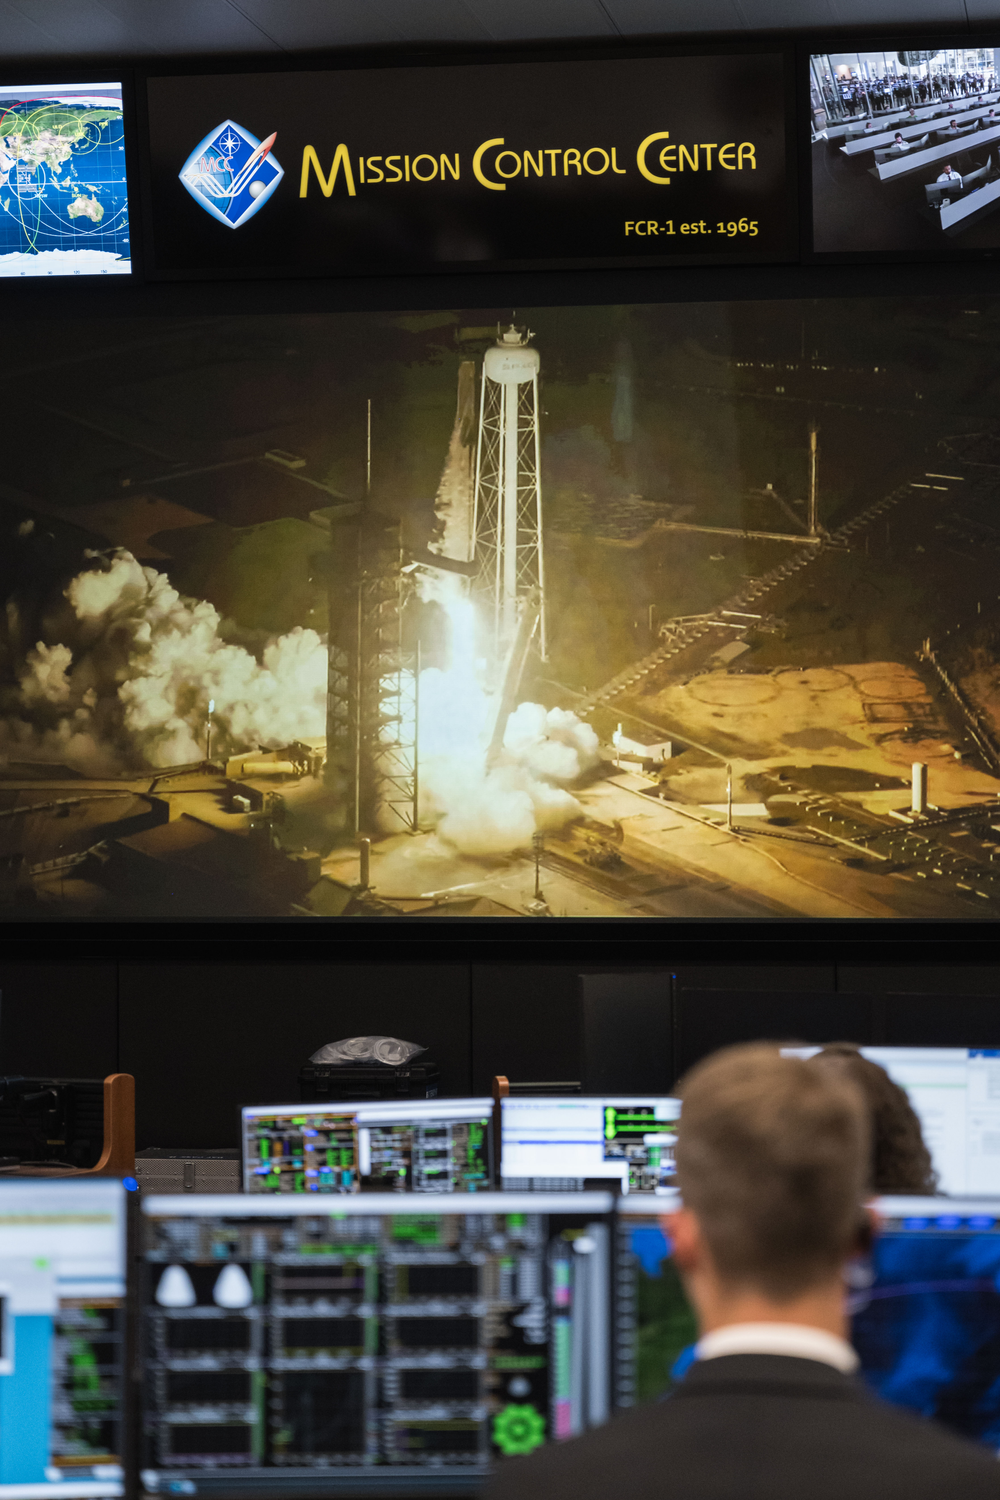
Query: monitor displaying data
{"points": [[955, 1091], [388, 1347], [655, 1328], [62, 1338], [927, 1328], [904, 147], [63, 186], [924, 1310], [401, 1146], [554, 1142]]}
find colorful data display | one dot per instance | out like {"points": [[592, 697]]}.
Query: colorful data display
{"points": [[63, 188]]}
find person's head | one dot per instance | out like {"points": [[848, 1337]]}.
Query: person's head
{"points": [[772, 1162], [900, 1161], [899, 139]]}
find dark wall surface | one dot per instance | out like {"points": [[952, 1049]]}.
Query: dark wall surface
{"points": [[59, 1019], [202, 1037]]}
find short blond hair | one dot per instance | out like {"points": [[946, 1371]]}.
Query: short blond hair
{"points": [[772, 1157]]}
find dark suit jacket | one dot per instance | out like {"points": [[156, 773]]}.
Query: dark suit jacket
{"points": [[757, 1427]]}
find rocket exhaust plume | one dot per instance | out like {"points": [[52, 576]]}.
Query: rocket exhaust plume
{"points": [[476, 806], [495, 808]]}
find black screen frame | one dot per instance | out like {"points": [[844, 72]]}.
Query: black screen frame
{"points": [[657, 940], [479, 57]]}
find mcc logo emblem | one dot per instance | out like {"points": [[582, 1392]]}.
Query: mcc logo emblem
{"points": [[231, 174]]}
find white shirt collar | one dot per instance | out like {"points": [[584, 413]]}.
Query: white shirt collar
{"points": [[793, 1339]]}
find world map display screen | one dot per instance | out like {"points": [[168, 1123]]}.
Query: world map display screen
{"points": [[63, 190]]}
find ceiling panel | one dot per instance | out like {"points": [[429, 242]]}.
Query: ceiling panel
{"points": [[899, 12], [19, 34], [186, 25], [521, 20], [431, 20], [57, 28], [86, 28], [191, 26], [787, 15], [646, 17], [307, 24]]}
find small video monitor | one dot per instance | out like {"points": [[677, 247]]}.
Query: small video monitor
{"points": [[552, 1142], [62, 1339], [399, 1146], [924, 1310], [884, 124], [393, 1346], [63, 182], [955, 1092]]}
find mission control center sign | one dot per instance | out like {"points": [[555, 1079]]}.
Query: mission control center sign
{"points": [[395, 170]]}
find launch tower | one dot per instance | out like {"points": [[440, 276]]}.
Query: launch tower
{"points": [[372, 683], [508, 495]]}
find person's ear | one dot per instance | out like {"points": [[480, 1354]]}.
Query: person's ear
{"points": [[874, 1221], [869, 1226], [684, 1233]]}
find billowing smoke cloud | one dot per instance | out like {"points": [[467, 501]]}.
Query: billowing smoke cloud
{"points": [[128, 684], [495, 810]]}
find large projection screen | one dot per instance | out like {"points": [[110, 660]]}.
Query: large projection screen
{"points": [[660, 611]]}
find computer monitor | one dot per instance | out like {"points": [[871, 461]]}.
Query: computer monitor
{"points": [[552, 1142], [408, 1145], [924, 1309], [655, 1328], [62, 1338], [384, 1346], [955, 1091]]}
